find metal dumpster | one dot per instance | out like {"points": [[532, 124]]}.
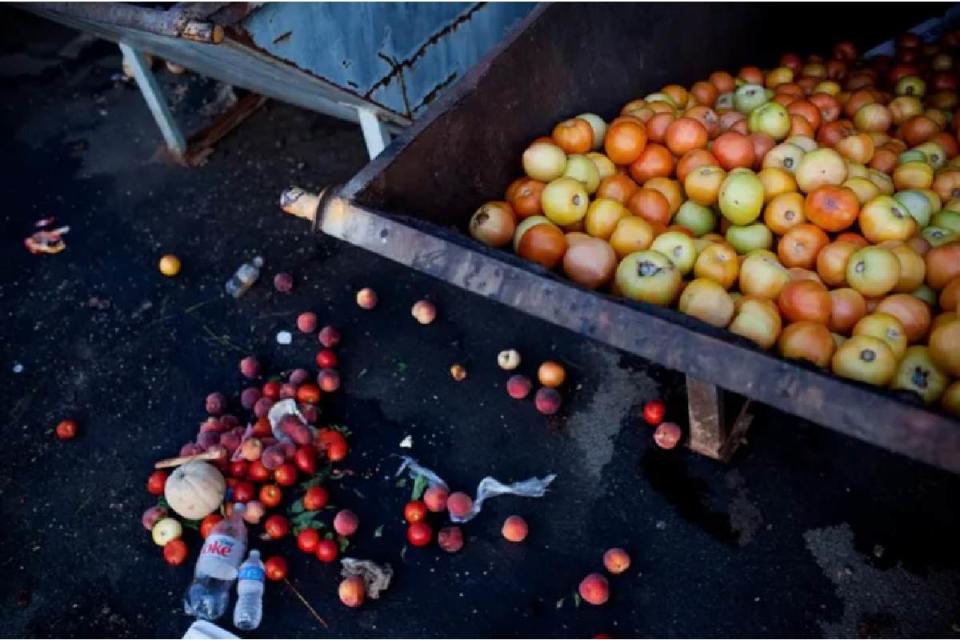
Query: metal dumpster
{"points": [[412, 203]]}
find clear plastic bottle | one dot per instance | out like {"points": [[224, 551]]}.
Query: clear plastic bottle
{"points": [[248, 612], [208, 595], [244, 278]]}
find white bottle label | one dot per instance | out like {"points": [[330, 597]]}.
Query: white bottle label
{"points": [[220, 557]]}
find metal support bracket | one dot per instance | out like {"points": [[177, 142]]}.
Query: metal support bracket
{"points": [[153, 94], [374, 133], [711, 432]]}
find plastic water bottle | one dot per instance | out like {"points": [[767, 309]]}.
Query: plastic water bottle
{"points": [[244, 278], [248, 611], [208, 595]]}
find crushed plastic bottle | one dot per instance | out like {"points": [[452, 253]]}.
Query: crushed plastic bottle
{"points": [[248, 612], [208, 595], [243, 279]]}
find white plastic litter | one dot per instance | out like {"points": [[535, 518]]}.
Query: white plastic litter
{"points": [[488, 487], [204, 629], [407, 443], [284, 337], [278, 411]]}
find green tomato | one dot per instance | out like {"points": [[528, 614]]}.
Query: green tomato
{"points": [[916, 204], [696, 217], [748, 97], [746, 239], [584, 170], [770, 118], [937, 236], [947, 219], [913, 155], [741, 198]]}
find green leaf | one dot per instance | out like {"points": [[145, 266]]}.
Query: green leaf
{"points": [[343, 543], [576, 599], [328, 535], [318, 478], [162, 502], [401, 483], [297, 506], [378, 532], [419, 486], [303, 518], [191, 524]]}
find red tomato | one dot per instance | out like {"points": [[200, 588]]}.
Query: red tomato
{"points": [[326, 359], [257, 472], [244, 491], [175, 552], [208, 523], [66, 429], [327, 550], [332, 442], [271, 390], [275, 567], [238, 468], [653, 412], [419, 534], [262, 428], [315, 498], [308, 393], [307, 540], [415, 511], [270, 495], [156, 482], [306, 460], [285, 475], [276, 526]]}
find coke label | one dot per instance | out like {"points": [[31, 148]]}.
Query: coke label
{"points": [[220, 557]]}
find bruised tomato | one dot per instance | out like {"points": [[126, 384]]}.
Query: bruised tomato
{"points": [[831, 208], [654, 412], [175, 552], [415, 511], [333, 443], [327, 550], [156, 482], [271, 495], [276, 526], [307, 540], [285, 475]]}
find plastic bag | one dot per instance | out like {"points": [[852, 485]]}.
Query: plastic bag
{"points": [[488, 488]]}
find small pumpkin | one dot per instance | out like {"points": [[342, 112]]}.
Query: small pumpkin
{"points": [[195, 490]]}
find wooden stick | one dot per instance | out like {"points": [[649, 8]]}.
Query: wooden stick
{"points": [[312, 611], [166, 463]]}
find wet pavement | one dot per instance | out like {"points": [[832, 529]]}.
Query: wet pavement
{"points": [[805, 533]]}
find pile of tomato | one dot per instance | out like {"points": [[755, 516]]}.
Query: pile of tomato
{"points": [[813, 208]]}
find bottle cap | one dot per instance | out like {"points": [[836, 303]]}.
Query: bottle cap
{"points": [[258, 262]]}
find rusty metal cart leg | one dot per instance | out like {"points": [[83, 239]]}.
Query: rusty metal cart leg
{"points": [[153, 94], [711, 432]]}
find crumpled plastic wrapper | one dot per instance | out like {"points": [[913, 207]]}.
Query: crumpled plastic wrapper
{"points": [[282, 409], [376, 577], [488, 488], [49, 242]]}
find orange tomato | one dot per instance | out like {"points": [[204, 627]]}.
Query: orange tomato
{"points": [[655, 161], [806, 110], [847, 307], [800, 245], [723, 81], [617, 187], [912, 312], [832, 262], [670, 189], [733, 150], [657, 126], [704, 93], [943, 265], [784, 212], [651, 205], [832, 208], [524, 197], [685, 134], [574, 135], [705, 116], [807, 340], [625, 140], [692, 160], [804, 300]]}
